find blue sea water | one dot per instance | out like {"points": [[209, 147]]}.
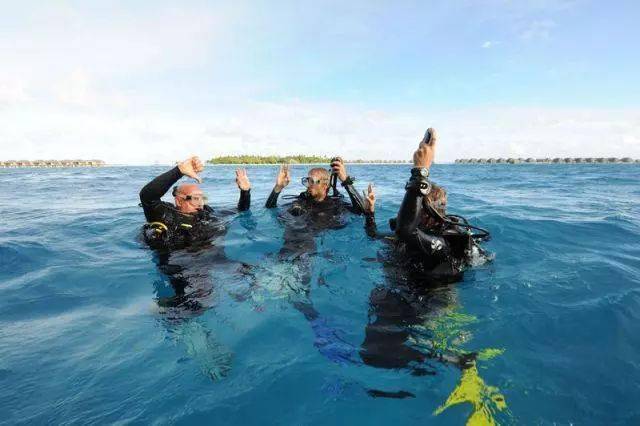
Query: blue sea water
{"points": [[84, 338]]}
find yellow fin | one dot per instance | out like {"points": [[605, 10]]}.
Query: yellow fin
{"points": [[486, 400]]}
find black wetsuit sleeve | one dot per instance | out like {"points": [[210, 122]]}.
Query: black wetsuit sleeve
{"points": [[357, 203], [370, 225], [407, 230], [272, 201], [245, 200], [151, 193], [371, 228]]}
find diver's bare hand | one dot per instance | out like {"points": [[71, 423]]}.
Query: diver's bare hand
{"points": [[191, 167], [339, 168], [424, 155], [283, 178], [369, 200], [242, 180]]}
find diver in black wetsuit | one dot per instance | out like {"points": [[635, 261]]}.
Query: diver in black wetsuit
{"points": [[306, 217], [433, 244], [190, 220], [316, 201], [186, 242], [427, 251]]}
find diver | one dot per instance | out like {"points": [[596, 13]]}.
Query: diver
{"points": [[190, 220], [435, 245], [187, 248], [428, 250], [311, 213], [318, 183]]}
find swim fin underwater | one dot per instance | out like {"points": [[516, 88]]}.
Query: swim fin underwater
{"points": [[486, 401]]}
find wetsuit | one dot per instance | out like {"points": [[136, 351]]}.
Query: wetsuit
{"points": [[305, 204], [193, 271], [435, 252], [420, 263], [180, 229], [305, 219]]}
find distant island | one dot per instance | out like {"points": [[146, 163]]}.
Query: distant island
{"points": [[288, 159], [567, 160], [51, 163]]}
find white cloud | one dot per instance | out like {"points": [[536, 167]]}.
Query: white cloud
{"points": [[57, 46], [538, 30], [69, 88], [299, 127], [13, 91]]}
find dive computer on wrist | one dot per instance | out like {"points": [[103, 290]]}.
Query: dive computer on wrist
{"points": [[419, 173]]}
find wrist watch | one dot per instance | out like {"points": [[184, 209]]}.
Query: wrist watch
{"points": [[419, 173]]}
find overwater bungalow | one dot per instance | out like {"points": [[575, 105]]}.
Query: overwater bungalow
{"points": [[52, 163], [557, 160]]}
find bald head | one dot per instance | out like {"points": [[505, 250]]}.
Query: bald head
{"points": [[188, 189], [189, 198]]}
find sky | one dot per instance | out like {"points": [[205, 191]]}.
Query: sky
{"points": [[152, 82]]}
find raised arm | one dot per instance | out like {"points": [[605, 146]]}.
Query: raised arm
{"points": [[357, 203], [151, 193], [410, 214], [242, 180], [282, 180], [369, 213]]}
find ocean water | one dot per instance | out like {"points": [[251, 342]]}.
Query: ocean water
{"points": [[553, 321]]}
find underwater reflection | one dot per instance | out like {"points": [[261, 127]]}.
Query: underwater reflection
{"points": [[193, 281], [288, 273], [414, 321]]}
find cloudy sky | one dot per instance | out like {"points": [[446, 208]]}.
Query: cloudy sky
{"points": [[153, 81]]}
